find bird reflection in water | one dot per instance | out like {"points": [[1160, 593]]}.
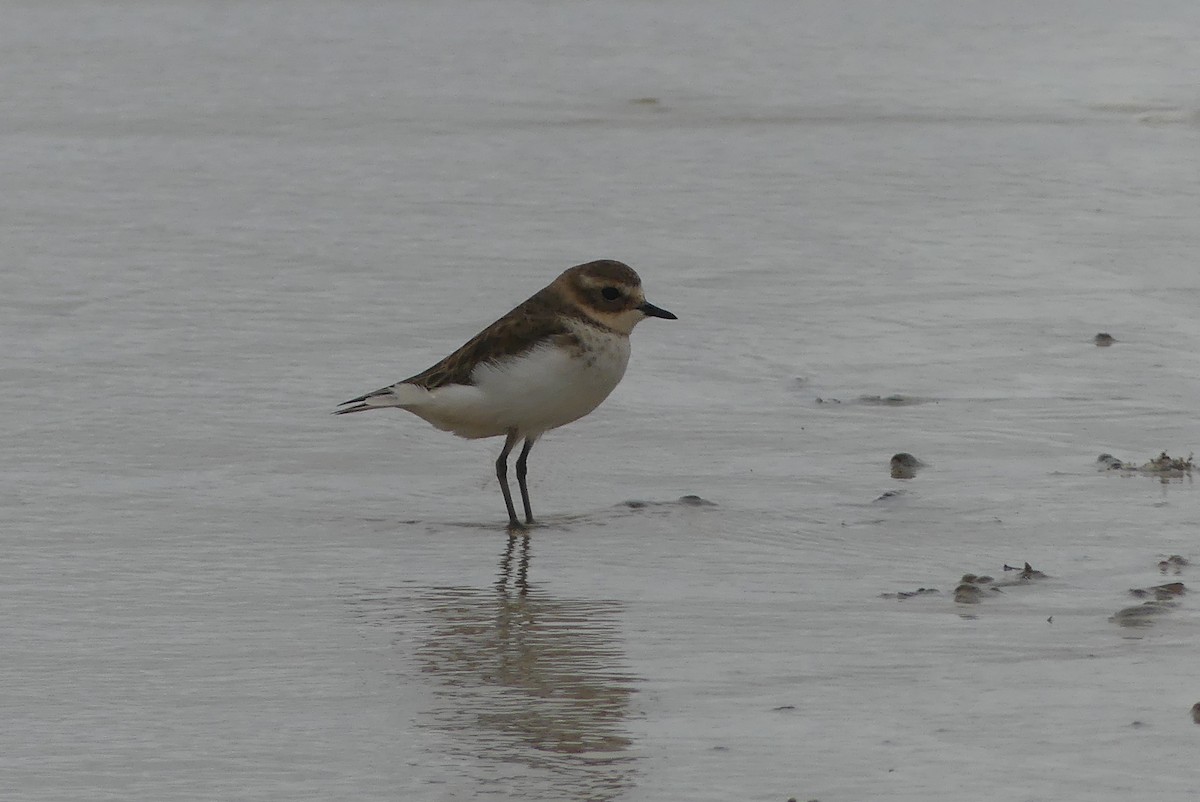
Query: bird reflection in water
{"points": [[521, 580], [529, 682]]}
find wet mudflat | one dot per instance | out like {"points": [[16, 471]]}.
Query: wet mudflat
{"points": [[223, 221]]}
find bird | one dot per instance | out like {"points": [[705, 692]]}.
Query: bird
{"points": [[548, 362]]}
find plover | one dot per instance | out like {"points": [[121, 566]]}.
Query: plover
{"points": [[546, 363]]}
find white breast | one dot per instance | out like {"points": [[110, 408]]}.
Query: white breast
{"points": [[544, 388]]}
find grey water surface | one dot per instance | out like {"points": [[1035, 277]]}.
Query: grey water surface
{"points": [[884, 227]]}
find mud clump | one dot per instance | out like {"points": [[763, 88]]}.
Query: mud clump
{"points": [[975, 588], [1174, 562], [977, 580], [1164, 466], [1161, 599], [1027, 573], [904, 465], [893, 400], [908, 594], [1142, 614], [966, 593], [682, 501], [1104, 339], [1159, 592]]}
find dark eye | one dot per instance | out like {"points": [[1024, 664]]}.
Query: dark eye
{"points": [[610, 293]]}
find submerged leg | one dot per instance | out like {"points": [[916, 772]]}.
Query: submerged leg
{"points": [[502, 475], [521, 460]]}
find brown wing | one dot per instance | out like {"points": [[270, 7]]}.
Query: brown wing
{"points": [[515, 333]]}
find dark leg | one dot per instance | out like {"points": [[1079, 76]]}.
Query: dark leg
{"points": [[521, 460], [502, 475]]}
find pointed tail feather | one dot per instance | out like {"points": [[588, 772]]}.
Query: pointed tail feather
{"points": [[398, 395]]}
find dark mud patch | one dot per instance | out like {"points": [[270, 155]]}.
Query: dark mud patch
{"points": [[894, 400], [904, 465], [682, 501], [1161, 599], [1142, 614], [974, 588], [908, 594], [1164, 466], [1159, 592], [1175, 563]]}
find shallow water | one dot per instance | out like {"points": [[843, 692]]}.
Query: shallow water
{"points": [[225, 219]]}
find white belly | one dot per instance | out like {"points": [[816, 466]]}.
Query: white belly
{"points": [[540, 390]]}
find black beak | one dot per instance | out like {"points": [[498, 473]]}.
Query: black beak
{"points": [[650, 310]]}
